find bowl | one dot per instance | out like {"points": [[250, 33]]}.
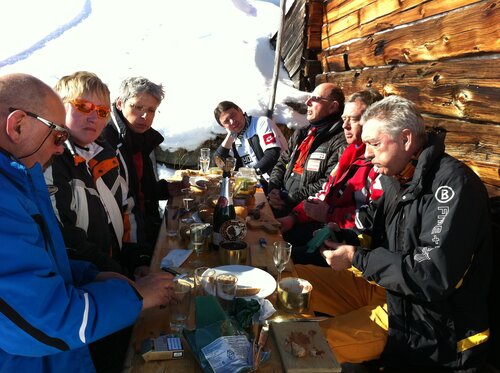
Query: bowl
{"points": [[233, 252], [294, 294]]}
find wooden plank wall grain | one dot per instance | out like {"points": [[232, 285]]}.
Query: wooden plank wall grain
{"points": [[442, 54]]}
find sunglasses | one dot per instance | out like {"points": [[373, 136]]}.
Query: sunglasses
{"points": [[318, 99], [61, 134], [87, 107]]}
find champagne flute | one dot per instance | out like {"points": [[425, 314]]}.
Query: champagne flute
{"points": [[281, 256]]}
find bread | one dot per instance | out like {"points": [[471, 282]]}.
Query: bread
{"points": [[241, 212], [246, 292]]}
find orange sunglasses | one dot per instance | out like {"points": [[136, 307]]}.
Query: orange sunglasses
{"points": [[87, 107]]}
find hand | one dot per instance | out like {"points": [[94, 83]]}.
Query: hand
{"points": [[287, 223], [337, 255], [275, 200], [156, 289], [229, 139], [141, 271], [175, 187], [317, 210]]}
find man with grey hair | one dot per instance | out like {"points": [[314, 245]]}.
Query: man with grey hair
{"points": [[430, 251], [130, 132], [51, 307]]}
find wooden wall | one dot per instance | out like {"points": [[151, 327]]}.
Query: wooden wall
{"points": [[302, 42], [442, 54]]}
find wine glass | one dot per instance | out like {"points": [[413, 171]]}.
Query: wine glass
{"points": [[281, 255]]}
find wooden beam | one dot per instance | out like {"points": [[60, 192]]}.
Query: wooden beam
{"points": [[468, 31], [445, 88], [365, 21]]}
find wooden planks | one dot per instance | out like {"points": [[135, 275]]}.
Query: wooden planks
{"points": [[444, 88], [450, 96], [350, 20], [467, 31]]}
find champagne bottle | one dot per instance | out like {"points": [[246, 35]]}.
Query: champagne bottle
{"points": [[224, 209]]}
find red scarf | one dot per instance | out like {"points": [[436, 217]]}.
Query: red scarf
{"points": [[350, 154], [304, 151]]}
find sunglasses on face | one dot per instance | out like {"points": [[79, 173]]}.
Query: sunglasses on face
{"points": [[318, 99], [61, 134], [86, 107]]}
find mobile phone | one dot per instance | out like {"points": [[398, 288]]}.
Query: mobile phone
{"points": [[318, 239]]}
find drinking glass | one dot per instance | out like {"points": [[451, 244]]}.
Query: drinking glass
{"points": [[281, 255], [226, 285], [198, 238], [204, 160], [180, 306], [231, 163], [205, 153], [172, 220], [204, 164], [204, 280], [187, 199]]}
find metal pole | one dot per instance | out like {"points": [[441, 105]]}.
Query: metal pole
{"points": [[277, 60]]}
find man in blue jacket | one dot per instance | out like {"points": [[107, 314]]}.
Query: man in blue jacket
{"points": [[50, 308]]}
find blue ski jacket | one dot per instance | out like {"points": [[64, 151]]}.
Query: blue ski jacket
{"points": [[50, 307]]}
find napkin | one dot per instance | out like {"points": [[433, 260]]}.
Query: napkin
{"points": [[175, 258]]}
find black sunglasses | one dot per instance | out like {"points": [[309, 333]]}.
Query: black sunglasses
{"points": [[61, 133]]}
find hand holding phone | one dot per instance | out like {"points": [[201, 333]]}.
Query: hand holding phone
{"points": [[320, 237]]}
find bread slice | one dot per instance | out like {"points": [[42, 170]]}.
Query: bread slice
{"points": [[246, 291]]}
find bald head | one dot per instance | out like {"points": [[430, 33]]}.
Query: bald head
{"points": [[21, 134], [26, 92]]}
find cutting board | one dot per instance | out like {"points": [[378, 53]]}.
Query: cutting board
{"points": [[319, 358]]}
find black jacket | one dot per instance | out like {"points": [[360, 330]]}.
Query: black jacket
{"points": [[326, 149], [431, 251], [145, 220], [82, 208]]}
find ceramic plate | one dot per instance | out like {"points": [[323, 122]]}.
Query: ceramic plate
{"points": [[251, 277]]}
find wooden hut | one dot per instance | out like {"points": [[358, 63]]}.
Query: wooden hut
{"points": [[441, 54]]}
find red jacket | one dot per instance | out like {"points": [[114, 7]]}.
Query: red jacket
{"points": [[355, 184]]}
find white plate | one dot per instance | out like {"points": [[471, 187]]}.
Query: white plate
{"points": [[251, 277]]}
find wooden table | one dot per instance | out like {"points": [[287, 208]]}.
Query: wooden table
{"points": [[154, 322]]}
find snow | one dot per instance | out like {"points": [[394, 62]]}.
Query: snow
{"points": [[202, 51]]}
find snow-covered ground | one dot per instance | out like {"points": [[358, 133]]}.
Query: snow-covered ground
{"points": [[202, 51]]}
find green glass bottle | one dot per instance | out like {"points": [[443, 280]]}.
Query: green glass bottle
{"points": [[224, 209]]}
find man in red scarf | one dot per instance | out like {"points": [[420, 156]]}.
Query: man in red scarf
{"points": [[350, 185], [312, 152]]}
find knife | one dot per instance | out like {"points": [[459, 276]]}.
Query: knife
{"points": [[177, 275]]}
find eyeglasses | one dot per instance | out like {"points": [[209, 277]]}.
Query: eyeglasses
{"points": [[87, 107], [318, 99], [142, 109], [61, 134]]}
